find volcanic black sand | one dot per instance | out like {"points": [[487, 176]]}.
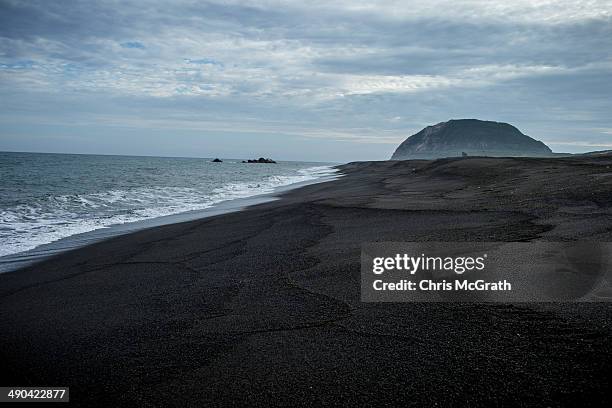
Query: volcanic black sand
{"points": [[262, 307]]}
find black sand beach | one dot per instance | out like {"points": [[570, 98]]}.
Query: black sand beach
{"points": [[262, 307]]}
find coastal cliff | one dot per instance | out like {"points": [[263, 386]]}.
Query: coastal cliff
{"points": [[471, 137]]}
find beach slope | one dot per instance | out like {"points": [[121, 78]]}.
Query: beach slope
{"points": [[262, 307]]}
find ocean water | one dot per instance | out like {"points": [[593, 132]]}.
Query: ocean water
{"points": [[47, 197]]}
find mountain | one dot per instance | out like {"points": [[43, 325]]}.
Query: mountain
{"points": [[471, 136]]}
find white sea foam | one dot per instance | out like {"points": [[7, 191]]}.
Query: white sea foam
{"points": [[24, 227]]}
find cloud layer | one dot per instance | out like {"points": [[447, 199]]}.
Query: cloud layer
{"points": [[357, 77]]}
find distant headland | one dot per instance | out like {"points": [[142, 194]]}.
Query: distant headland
{"points": [[471, 137]]}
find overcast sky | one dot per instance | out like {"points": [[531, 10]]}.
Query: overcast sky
{"points": [[298, 80]]}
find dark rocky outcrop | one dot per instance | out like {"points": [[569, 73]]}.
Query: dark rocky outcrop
{"points": [[217, 161], [260, 160], [469, 137]]}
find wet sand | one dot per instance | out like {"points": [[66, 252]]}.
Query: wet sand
{"points": [[262, 307]]}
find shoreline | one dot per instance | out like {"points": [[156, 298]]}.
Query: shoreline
{"points": [[14, 262], [262, 306]]}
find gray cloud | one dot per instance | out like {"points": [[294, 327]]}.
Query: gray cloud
{"points": [[354, 72]]}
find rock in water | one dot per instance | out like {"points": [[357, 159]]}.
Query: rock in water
{"points": [[217, 161], [469, 137], [260, 160]]}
